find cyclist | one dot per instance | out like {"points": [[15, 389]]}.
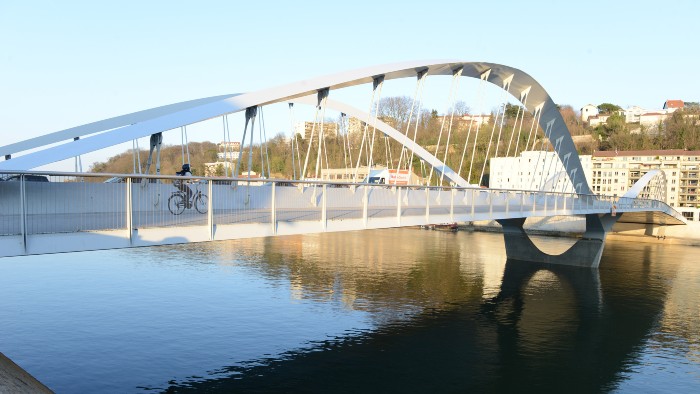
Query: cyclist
{"points": [[182, 185]]}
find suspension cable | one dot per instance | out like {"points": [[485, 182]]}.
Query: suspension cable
{"points": [[502, 109], [323, 96], [520, 129], [263, 145], [484, 77], [387, 150], [250, 146], [364, 126], [549, 139], [224, 121], [421, 75], [458, 74], [294, 134], [536, 122], [515, 126], [378, 83], [450, 106], [138, 155], [133, 156], [311, 139], [506, 87], [409, 164], [343, 137], [469, 132], [182, 143]]}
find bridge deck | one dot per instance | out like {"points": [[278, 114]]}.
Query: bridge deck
{"points": [[50, 217]]}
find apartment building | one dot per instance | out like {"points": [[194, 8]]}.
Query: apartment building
{"points": [[613, 173], [534, 170], [304, 129], [608, 173]]}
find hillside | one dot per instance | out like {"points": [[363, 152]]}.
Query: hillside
{"points": [[170, 158]]}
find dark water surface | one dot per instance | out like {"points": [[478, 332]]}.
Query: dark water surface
{"points": [[397, 310]]}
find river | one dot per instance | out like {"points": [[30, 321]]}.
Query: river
{"points": [[397, 310]]}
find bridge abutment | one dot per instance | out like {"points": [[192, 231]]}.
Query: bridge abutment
{"points": [[586, 252]]}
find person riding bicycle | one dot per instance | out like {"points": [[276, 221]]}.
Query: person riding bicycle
{"points": [[182, 186]]}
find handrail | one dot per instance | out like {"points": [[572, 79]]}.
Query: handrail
{"points": [[600, 197]]}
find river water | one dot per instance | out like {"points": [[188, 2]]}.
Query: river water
{"points": [[398, 310]]}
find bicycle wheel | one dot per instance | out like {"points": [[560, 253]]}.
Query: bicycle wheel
{"points": [[201, 203], [176, 204]]}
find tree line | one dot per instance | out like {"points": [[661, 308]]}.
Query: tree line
{"points": [[278, 160]]}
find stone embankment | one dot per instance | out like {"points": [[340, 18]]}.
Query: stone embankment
{"points": [[15, 380]]}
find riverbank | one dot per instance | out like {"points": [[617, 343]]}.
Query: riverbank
{"points": [[14, 379], [564, 226]]}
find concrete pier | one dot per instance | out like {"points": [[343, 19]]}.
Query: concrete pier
{"points": [[14, 379], [586, 252]]}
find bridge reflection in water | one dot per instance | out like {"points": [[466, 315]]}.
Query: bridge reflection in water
{"points": [[450, 321]]}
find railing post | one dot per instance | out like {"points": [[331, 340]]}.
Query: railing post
{"points": [[473, 202], [491, 204], [273, 210], [129, 211], [365, 203], [398, 206], [324, 224], [427, 205], [210, 208], [522, 202], [452, 205], [23, 211], [507, 203], [545, 203]]}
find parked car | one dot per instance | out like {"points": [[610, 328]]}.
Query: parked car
{"points": [[28, 178]]}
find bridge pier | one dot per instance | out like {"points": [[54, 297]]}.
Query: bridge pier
{"points": [[586, 252]]}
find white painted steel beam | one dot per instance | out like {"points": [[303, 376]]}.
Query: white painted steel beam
{"points": [[140, 124]]}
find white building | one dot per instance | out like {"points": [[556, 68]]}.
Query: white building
{"points": [[615, 172], [228, 150], [670, 106], [304, 129], [633, 113], [597, 119], [533, 170], [652, 118], [344, 175], [587, 111]]}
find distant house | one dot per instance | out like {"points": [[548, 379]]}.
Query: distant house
{"points": [[652, 118], [597, 119], [587, 111], [305, 129], [671, 105], [633, 113], [463, 122]]}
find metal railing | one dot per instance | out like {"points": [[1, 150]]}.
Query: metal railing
{"points": [[59, 202]]}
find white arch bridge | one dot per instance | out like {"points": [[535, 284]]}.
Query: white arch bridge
{"points": [[79, 211]]}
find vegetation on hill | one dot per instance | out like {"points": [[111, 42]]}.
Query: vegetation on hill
{"points": [[170, 158], [680, 131]]}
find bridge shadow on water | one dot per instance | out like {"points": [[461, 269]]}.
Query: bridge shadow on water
{"points": [[546, 329]]}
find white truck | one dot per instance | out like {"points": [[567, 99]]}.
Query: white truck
{"points": [[389, 177]]}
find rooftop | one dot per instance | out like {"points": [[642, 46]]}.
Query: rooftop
{"points": [[673, 104], [658, 152]]}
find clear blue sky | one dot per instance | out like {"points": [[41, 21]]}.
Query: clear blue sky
{"points": [[66, 63]]}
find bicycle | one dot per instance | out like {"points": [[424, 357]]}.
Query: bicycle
{"points": [[178, 201]]}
